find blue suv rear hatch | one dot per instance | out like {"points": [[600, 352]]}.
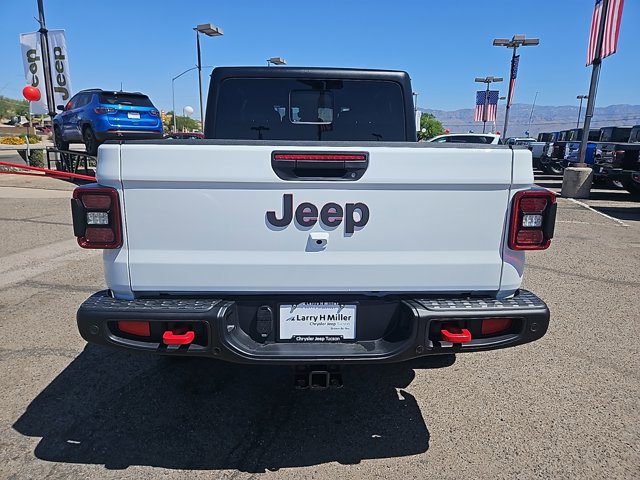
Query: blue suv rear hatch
{"points": [[129, 110]]}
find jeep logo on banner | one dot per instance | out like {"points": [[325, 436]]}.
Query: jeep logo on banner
{"points": [[34, 72]]}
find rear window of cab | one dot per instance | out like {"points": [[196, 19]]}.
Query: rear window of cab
{"points": [[310, 109]]}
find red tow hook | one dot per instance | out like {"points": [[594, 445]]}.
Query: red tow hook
{"points": [[178, 336], [454, 334]]}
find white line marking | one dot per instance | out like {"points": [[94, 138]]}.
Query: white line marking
{"points": [[581, 223], [582, 204]]}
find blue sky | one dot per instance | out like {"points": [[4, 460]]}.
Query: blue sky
{"points": [[443, 45]]}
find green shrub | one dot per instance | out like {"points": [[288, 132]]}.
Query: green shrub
{"points": [[36, 159]]}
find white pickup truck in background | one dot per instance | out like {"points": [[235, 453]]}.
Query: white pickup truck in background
{"points": [[309, 227]]}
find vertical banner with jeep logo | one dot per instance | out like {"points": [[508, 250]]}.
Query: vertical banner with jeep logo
{"points": [[33, 67]]}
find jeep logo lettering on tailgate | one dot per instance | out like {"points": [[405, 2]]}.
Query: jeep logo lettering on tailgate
{"points": [[331, 214]]}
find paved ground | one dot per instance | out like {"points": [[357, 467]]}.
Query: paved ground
{"points": [[564, 407]]}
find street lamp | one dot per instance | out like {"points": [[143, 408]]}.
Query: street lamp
{"points": [[488, 81], [173, 96], [276, 61], [210, 31], [514, 43], [580, 97]]}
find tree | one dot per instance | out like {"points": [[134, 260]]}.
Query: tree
{"points": [[182, 123], [10, 107], [430, 127]]}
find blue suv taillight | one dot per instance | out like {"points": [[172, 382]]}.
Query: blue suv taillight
{"points": [[154, 112], [103, 110]]}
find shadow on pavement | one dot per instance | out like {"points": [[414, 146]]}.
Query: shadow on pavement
{"points": [[621, 213], [120, 409], [550, 185], [612, 195]]}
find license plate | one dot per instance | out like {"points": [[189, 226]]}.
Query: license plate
{"points": [[133, 115], [318, 322]]}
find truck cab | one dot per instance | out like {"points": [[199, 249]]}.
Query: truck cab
{"points": [[624, 164], [537, 148], [605, 147], [551, 160], [574, 140]]}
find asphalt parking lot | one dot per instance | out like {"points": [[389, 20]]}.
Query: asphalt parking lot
{"points": [[566, 406]]}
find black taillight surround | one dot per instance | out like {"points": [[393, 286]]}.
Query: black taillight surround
{"points": [[84, 201], [548, 219]]}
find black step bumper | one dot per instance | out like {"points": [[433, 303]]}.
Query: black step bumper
{"points": [[388, 329]]}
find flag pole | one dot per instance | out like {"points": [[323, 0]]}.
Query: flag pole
{"points": [[44, 44], [593, 87], [486, 106], [506, 113]]}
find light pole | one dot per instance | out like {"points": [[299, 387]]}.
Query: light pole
{"points": [[531, 114], [580, 97], [210, 31], [514, 43], [494, 122], [173, 96], [276, 61], [488, 81]]}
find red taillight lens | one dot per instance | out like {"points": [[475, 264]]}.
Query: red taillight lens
{"points": [[618, 155], [533, 205], [139, 328], [529, 237], [96, 235], [96, 217], [96, 201], [532, 220], [103, 110]]}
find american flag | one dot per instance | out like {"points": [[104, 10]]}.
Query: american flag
{"points": [[514, 74], [611, 29], [492, 106]]}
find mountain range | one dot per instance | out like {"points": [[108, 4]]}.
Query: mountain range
{"points": [[544, 118]]}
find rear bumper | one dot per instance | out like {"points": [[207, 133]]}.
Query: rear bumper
{"points": [[388, 329], [126, 134], [619, 174]]}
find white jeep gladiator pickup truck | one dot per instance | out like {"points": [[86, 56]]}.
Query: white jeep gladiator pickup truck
{"points": [[310, 227]]}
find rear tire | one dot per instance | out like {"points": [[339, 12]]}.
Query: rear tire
{"points": [[90, 141], [60, 143], [554, 169], [632, 187]]}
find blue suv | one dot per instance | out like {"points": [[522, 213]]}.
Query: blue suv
{"points": [[93, 116]]}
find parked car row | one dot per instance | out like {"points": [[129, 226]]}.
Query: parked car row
{"points": [[612, 152]]}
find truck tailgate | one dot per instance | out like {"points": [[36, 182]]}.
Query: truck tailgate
{"points": [[198, 212]]}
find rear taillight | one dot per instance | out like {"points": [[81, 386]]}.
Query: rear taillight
{"points": [[154, 112], [103, 110], [533, 219], [96, 217]]}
